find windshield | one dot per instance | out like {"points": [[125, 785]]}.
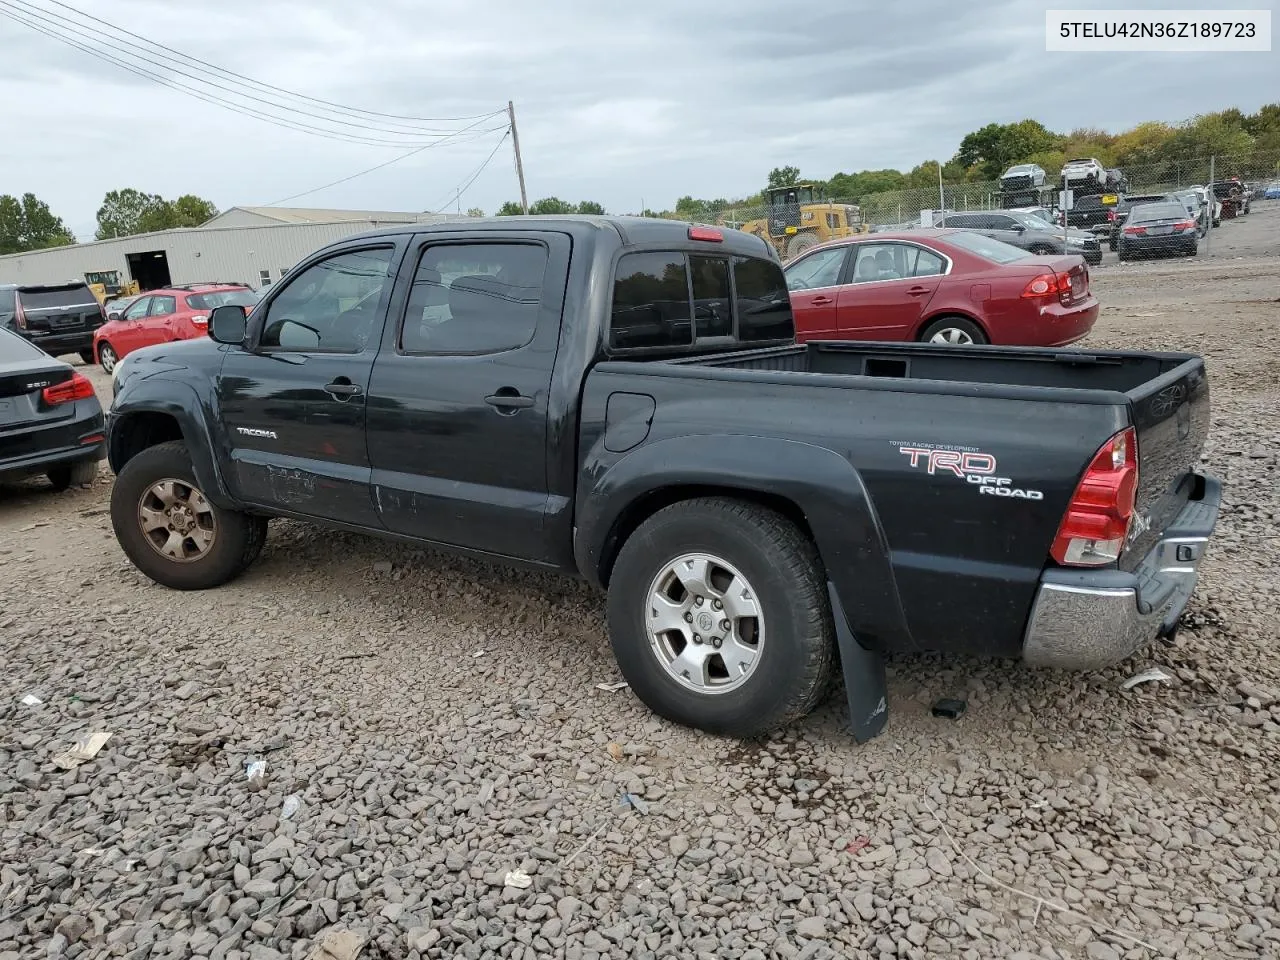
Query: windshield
{"points": [[1027, 220], [997, 251], [220, 298]]}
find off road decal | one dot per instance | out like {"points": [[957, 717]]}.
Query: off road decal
{"points": [[973, 466]]}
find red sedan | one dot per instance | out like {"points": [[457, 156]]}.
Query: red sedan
{"points": [[162, 316], [940, 286]]}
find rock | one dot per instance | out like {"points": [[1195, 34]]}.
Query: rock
{"points": [[812, 928], [1097, 950], [864, 903], [348, 889], [73, 927], [679, 846], [938, 862], [261, 889], [1089, 860], [910, 879]]}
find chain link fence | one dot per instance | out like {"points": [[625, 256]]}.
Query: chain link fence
{"points": [[795, 223]]}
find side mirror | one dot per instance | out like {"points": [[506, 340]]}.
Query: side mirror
{"points": [[1019, 228], [113, 314], [228, 324]]}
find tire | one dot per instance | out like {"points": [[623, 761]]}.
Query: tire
{"points": [[81, 473], [792, 668], [236, 538], [953, 330], [107, 358], [86, 357], [800, 243], [1112, 246], [1122, 255]]}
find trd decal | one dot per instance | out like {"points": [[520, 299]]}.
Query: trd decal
{"points": [[976, 467]]}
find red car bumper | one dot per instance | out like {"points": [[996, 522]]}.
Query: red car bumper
{"points": [[1051, 325]]}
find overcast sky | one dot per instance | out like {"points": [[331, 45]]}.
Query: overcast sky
{"points": [[620, 103]]}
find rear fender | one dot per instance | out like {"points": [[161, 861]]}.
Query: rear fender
{"points": [[818, 483], [143, 399]]}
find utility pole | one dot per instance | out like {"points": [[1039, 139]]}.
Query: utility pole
{"points": [[942, 199], [515, 142]]}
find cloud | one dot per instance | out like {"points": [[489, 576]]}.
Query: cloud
{"points": [[615, 102]]}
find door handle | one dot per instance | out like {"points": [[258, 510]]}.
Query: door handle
{"points": [[508, 400], [820, 301], [917, 291], [342, 389]]}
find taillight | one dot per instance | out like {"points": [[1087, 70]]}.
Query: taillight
{"points": [[1096, 524], [200, 320], [1111, 215], [706, 234], [1185, 225], [1048, 285], [1135, 231], [77, 388], [19, 316]]}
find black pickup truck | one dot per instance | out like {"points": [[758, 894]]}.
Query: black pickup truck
{"points": [[621, 399]]}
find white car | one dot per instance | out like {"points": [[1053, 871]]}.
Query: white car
{"points": [[1088, 168]]}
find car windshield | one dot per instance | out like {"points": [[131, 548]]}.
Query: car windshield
{"points": [[997, 251], [1027, 220], [1088, 203], [221, 298], [1156, 211]]}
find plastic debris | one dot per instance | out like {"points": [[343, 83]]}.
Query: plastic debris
{"points": [[613, 687], [858, 844], [949, 709], [255, 769], [86, 748], [615, 750], [338, 945], [518, 879], [638, 804], [478, 654], [292, 804], [31, 700], [1151, 675]]}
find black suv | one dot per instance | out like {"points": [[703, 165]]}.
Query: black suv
{"points": [[57, 317]]}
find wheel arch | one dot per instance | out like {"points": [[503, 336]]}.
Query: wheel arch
{"points": [[944, 313]]}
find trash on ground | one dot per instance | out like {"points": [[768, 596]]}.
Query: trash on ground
{"points": [[477, 655], [254, 769], [86, 748], [615, 750], [638, 804], [31, 700], [518, 879], [613, 687], [1146, 676], [858, 844], [949, 709], [292, 804], [338, 945]]}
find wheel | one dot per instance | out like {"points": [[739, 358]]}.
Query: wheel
{"points": [[171, 531], [86, 357], [106, 357], [719, 619], [800, 243], [81, 473], [1122, 254], [953, 330], [1112, 245]]}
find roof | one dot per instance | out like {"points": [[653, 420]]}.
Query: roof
{"points": [[324, 215]]}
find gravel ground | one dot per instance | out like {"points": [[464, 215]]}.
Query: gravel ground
{"points": [[438, 723]]}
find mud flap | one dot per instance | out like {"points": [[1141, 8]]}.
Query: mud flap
{"points": [[864, 678]]}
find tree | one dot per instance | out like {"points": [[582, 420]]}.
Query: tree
{"points": [[191, 211], [590, 207], [853, 186], [28, 224], [551, 205], [474, 212], [998, 146], [783, 177], [129, 211], [511, 208]]}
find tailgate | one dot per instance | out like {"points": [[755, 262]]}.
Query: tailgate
{"points": [[1171, 415]]}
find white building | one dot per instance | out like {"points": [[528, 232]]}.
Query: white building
{"points": [[253, 245]]}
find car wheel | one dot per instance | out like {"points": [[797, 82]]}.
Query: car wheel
{"points": [[86, 357], [800, 243], [106, 357], [78, 474], [956, 331], [1122, 254], [171, 531], [719, 619]]}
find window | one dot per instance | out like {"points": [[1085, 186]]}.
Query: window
{"points": [[651, 302], [283, 271], [712, 309], [879, 261], [821, 269], [764, 308], [8, 301], [68, 295], [163, 306], [220, 298], [137, 310], [1001, 222], [332, 306], [925, 263], [474, 298], [997, 251]]}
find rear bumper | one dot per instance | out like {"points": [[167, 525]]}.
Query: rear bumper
{"points": [[1163, 244], [56, 344], [1088, 619], [1063, 325], [34, 452]]}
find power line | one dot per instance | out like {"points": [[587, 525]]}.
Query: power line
{"points": [[268, 86], [456, 194], [148, 60], [385, 163]]}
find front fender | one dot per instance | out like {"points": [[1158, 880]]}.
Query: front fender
{"points": [[141, 396], [823, 485]]}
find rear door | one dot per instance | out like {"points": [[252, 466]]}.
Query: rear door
{"points": [[458, 401], [293, 403], [813, 282], [890, 287]]}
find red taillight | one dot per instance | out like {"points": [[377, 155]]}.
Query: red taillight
{"points": [[19, 317], [200, 320], [1048, 285], [1135, 231], [706, 233], [1185, 225], [77, 388], [1096, 523], [1111, 215]]}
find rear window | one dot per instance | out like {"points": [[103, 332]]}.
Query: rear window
{"points": [[666, 300], [997, 251], [221, 298], [1156, 211], [1088, 203], [39, 298]]}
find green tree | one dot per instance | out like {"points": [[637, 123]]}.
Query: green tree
{"points": [[590, 207], [852, 186], [783, 177], [123, 212], [511, 208], [191, 211], [998, 146], [551, 205], [28, 224], [474, 212]]}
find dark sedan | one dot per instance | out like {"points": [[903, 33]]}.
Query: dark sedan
{"points": [[50, 420], [1160, 229], [1030, 233]]}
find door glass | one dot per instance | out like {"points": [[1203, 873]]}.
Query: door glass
{"points": [[333, 306], [474, 298], [821, 269], [880, 261], [137, 310], [651, 302], [927, 264], [163, 306], [711, 314], [764, 308]]}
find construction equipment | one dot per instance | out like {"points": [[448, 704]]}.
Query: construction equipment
{"points": [[107, 285], [800, 217]]}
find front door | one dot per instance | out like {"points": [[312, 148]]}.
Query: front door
{"points": [[458, 405], [813, 282], [892, 282], [157, 327], [293, 403], [130, 336]]}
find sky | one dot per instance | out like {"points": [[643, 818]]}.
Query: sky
{"points": [[623, 104]]}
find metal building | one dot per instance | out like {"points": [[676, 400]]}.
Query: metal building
{"points": [[253, 245]]}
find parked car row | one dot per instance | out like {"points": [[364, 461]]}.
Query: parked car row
{"points": [[162, 316]]}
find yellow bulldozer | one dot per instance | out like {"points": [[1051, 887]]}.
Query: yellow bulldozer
{"points": [[107, 285], [799, 217]]}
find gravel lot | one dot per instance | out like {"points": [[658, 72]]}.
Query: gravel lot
{"points": [[438, 721]]}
